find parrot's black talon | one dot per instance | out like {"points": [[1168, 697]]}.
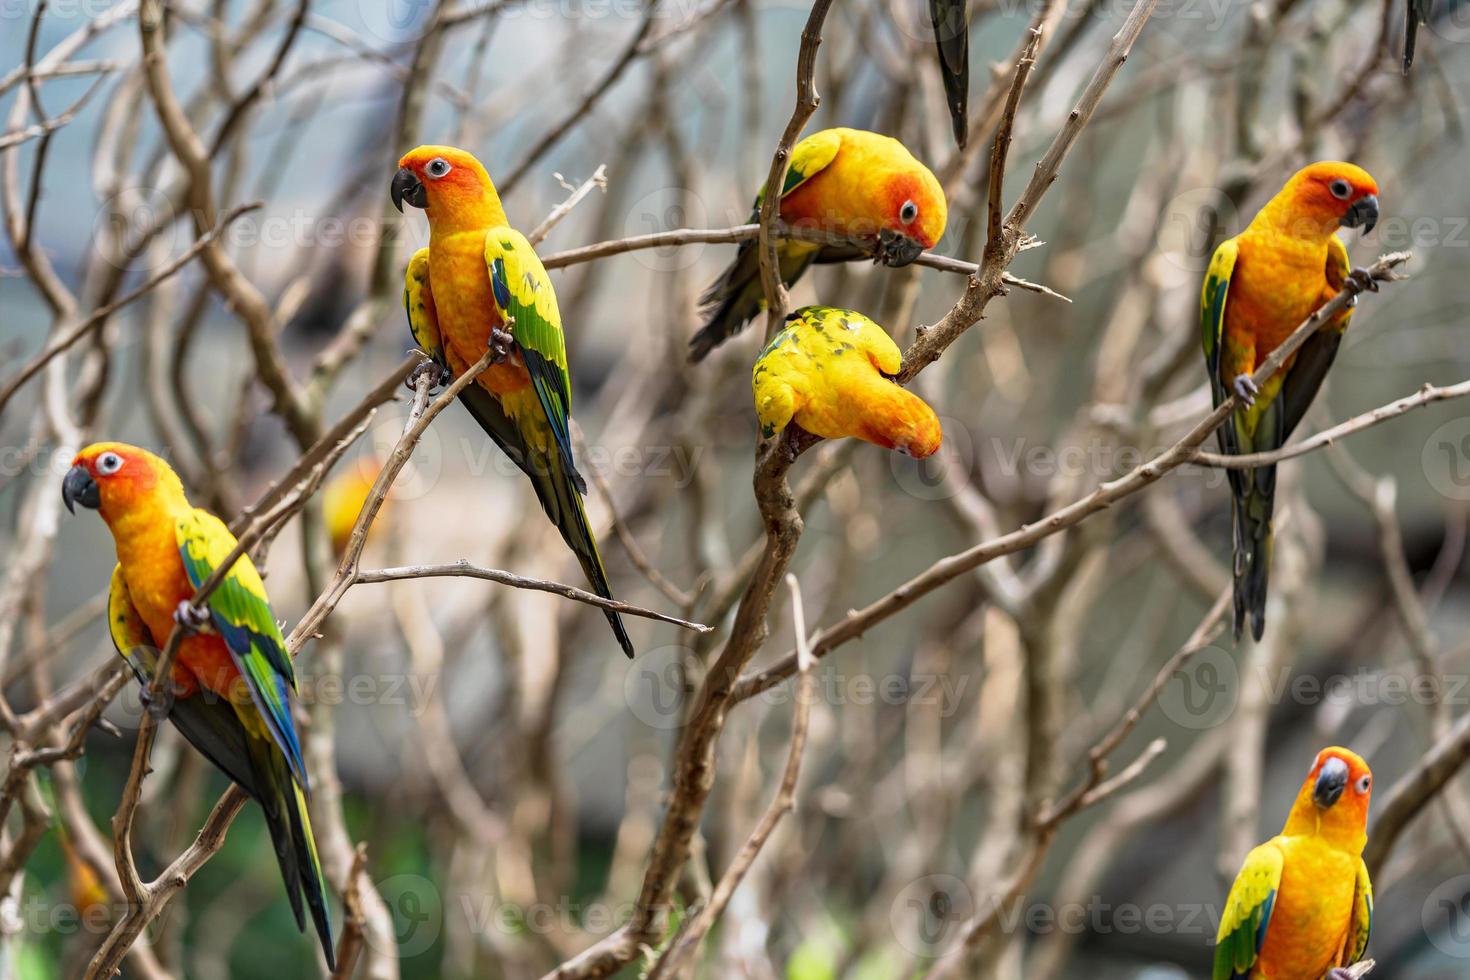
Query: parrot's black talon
{"points": [[190, 618], [1361, 279], [158, 708], [500, 343], [442, 375], [1246, 389]]}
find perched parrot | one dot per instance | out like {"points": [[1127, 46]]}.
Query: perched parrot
{"points": [[1416, 15], [1302, 905], [951, 21], [233, 683], [830, 371], [1260, 286], [844, 181], [478, 284]]}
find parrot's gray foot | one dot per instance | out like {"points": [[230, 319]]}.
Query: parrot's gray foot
{"points": [[159, 706], [190, 618], [1246, 389], [501, 343], [1338, 973], [1360, 280], [441, 375]]}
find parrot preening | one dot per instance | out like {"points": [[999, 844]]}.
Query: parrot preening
{"points": [[480, 284], [1260, 286], [1416, 15], [845, 181], [951, 22], [1302, 906], [233, 683], [830, 371]]}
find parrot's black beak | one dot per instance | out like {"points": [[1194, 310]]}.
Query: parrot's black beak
{"points": [[406, 186], [1363, 213], [1331, 781], [79, 488], [895, 250]]}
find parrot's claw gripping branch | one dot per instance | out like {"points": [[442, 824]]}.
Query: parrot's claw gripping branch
{"points": [[440, 373], [1361, 279], [1246, 389], [157, 705], [501, 344], [191, 619]]}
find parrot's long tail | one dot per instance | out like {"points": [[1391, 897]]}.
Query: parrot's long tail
{"points": [[1255, 501], [737, 297], [952, 34], [284, 804], [1416, 14]]}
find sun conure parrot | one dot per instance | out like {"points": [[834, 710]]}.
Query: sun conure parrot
{"points": [[951, 22], [1260, 286], [342, 500], [845, 181], [489, 289], [233, 683], [1302, 905], [1416, 15], [830, 371]]}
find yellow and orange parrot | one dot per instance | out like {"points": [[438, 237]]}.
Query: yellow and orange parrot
{"points": [[830, 371], [233, 683], [845, 181], [479, 284], [342, 500], [1260, 286], [1302, 906]]}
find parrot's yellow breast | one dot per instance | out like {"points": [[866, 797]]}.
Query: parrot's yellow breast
{"points": [[467, 312], [1312, 912]]}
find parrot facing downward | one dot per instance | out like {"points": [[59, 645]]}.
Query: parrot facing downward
{"points": [[1260, 286], [478, 284], [845, 181], [233, 682], [1302, 906], [830, 371]]}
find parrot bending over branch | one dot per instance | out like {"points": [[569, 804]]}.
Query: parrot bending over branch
{"points": [[845, 181], [1260, 286], [478, 284], [830, 371], [233, 682], [1302, 906]]}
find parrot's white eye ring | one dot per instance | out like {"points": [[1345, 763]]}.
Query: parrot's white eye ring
{"points": [[908, 212], [1340, 189], [437, 167], [1363, 783], [109, 463]]}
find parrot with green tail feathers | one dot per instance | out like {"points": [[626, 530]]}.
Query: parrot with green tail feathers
{"points": [[479, 284], [233, 683]]}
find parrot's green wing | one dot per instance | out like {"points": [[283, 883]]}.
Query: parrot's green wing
{"points": [[209, 723], [809, 157], [526, 299], [1362, 921], [418, 303], [241, 613], [1247, 913], [1312, 360], [1212, 314]]}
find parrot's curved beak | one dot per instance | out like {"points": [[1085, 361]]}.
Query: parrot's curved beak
{"points": [[79, 488], [406, 186], [895, 250], [1331, 781], [1364, 213]]}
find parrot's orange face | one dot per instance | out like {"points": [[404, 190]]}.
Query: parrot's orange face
{"points": [[1334, 798], [915, 207], [449, 184], [112, 477], [1331, 194]]}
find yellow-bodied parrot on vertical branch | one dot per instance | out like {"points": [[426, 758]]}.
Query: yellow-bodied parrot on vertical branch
{"points": [[479, 284], [1260, 286]]}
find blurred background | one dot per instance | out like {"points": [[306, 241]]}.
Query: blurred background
{"points": [[501, 766]]}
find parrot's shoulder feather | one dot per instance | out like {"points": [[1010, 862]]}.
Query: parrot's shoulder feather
{"points": [[240, 612], [525, 297], [1247, 912], [809, 157], [418, 303], [130, 635]]}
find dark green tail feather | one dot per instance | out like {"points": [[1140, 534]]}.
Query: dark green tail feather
{"points": [[1253, 511], [300, 870], [737, 297]]}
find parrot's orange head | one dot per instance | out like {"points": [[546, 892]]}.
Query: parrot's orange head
{"points": [[1325, 196], [1333, 800], [911, 214], [450, 185], [112, 477]]}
